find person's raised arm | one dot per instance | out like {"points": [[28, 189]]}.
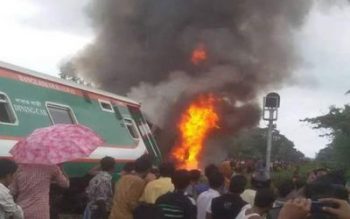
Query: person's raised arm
{"points": [[60, 177], [343, 208], [295, 209], [95, 170]]}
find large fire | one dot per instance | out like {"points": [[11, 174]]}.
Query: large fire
{"points": [[195, 124], [199, 54]]}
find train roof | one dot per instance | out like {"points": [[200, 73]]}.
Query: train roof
{"points": [[29, 72]]}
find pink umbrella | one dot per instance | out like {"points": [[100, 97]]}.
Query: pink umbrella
{"points": [[56, 144]]}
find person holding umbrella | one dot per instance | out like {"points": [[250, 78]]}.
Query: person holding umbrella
{"points": [[31, 187], [39, 156]]}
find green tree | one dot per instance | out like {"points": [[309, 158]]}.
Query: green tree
{"points": [[68, 72], [252, 144], [337, 123]]}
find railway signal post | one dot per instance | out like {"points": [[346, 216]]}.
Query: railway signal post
{"points": [[270, 114]]}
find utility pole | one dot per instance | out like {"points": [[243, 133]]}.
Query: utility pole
{"points": [[270, 114]]}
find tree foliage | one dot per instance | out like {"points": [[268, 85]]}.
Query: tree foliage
{"points": [[68, 72], [337, 122], [252, 144]]}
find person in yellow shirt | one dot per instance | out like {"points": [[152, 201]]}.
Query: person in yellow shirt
{"points": [[161, 186]]}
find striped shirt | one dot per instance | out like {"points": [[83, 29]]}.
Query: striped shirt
{"points": [[176, 205], [31, 188]]}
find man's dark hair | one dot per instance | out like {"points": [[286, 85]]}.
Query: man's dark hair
{"points": [[143, 164], [285, 188], [216, 180], [129, 167], [320, 170], [181, 179], [331, 185], [264, 198], [195, 175], [210, 169], [166, 169], [327, 186], [318, 190], [334, 177], [107, 163], [258, 183], [238, 184], [7, 167]]}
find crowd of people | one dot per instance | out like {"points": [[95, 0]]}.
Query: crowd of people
{"points": [[164, 192]]}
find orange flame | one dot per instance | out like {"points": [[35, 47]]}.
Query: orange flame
{"points": [[199, 54], [195, 125]]}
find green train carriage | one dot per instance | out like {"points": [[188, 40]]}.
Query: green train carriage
{"points": [[31, 100]]}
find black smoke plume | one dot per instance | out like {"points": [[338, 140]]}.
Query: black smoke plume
{"points": [[143, 49]]}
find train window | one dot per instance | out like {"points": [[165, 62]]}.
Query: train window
{"points": [[60, 114], [7, 114], [131, 128], [106, 106]]}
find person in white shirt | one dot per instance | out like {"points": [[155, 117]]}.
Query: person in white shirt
{"points": [[216, 183], [8, 208]]}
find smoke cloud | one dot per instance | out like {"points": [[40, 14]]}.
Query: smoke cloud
{"points": [[143, 49]]}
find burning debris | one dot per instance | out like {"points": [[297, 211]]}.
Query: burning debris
{"points": [[166, 53]]}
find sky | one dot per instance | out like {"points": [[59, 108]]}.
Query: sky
{"points": [[39, 34]]}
